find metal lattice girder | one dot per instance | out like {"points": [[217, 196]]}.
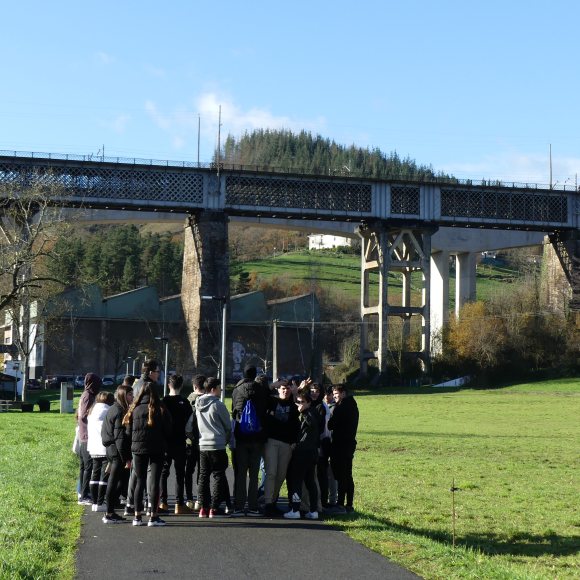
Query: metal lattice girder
{"points": [[109, 182], [298, 193], [504, 205]]}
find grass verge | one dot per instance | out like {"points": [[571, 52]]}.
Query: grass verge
{"points": [[512, 452], [39, 517]]}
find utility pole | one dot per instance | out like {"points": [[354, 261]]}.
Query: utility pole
{"points": [[198, 133], [219, 146]]}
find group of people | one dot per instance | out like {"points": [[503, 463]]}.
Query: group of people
{"points": [[299, 433]]}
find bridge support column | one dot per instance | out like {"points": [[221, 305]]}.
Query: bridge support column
{"points": [[465, 274], [439, 288], [396, 340], [205, 273]]}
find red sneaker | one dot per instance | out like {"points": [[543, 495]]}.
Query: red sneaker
{"points": [[204, 513]]}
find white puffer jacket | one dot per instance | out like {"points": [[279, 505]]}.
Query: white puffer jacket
{"points": [[96, 417]]}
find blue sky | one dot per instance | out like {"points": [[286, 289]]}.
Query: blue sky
{"points": [[475, 88]]}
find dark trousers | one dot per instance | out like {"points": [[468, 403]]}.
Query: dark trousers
{"points": [[191, 464], [115, 485], [141, 465], [85, 471], [177, 457], [302, 469], [341, 462], [212, 463], [99, 478], [246, 464]]}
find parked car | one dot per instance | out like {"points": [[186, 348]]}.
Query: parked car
{"points": [[54, 382], [33, 384], [79, 381], [108, 381]]}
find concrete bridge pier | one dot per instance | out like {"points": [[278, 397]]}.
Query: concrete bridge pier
{"points": [[465, 288], [403, 251], [205, 273], [465, 273]]}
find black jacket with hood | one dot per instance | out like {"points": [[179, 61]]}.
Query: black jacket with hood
{"points": [[248, 389], [114, 436], [147, 440]]}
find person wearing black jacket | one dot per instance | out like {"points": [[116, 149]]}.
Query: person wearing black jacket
{"points": [[148, 423], [118, 447], [282, 429], [180, 411], [344, 424], [302, 468], [249, 447]]}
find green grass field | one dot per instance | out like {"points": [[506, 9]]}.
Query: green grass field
{"points": [[339, 274], [513, 453]]}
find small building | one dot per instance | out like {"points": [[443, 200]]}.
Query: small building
{"points": [[327, 241]]}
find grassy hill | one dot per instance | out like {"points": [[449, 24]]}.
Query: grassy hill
{"points": [[338, 275]]}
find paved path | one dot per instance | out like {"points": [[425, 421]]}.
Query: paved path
{"points": [[225, 548]]}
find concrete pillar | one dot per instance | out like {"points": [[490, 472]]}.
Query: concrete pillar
{"points": [[439, 290], [465, 272], [205, 273]]}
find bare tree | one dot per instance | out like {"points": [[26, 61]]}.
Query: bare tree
{"points": [[30, 223]]}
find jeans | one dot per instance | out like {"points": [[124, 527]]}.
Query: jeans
{"points": [[276, 458], [85, 471], [212, 463], [341, 462], [177, 457], [302, 469], [191, 463], [247, 463]]}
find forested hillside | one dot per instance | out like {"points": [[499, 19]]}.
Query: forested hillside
{"points": [[304, 152]]}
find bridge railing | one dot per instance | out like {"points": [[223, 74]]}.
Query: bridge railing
{"points": [[312, 172]]}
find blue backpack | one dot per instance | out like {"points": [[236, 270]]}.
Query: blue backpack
{"points": [[249, 422]]}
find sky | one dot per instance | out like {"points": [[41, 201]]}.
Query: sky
{"points": [[479, 89]]}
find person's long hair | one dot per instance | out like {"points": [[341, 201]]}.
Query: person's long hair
{"points": [[153, 405], [121, 396]]}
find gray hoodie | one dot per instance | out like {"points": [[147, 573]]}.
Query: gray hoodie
{"points": [[213, 422]]}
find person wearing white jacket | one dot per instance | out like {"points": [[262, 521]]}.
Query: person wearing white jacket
{"points": [[96, 449]]}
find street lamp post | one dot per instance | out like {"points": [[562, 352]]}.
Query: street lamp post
{"points": [[223, 301], [165, 374], [127, 363]]}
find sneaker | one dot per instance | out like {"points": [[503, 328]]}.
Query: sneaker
{"points": [[217, 513], [196, 506], [138, 521], [85, 501], [155, 522], [99, 507], [203, 513], [349, 509], [238, 514], [254, 514], [228, 510], [292, 515], [311, 516], [163, 507], [182, 510], [190, 504], [112, 519], [129, 511]]}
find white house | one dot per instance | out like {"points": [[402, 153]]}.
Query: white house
{"points": [[322, 241]]}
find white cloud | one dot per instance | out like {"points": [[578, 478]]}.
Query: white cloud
{"points": [[182, 124]]}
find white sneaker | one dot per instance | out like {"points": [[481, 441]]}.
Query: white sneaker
{"points": [[312, 516], [292, 515], [196, 506], [99, 508]]}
